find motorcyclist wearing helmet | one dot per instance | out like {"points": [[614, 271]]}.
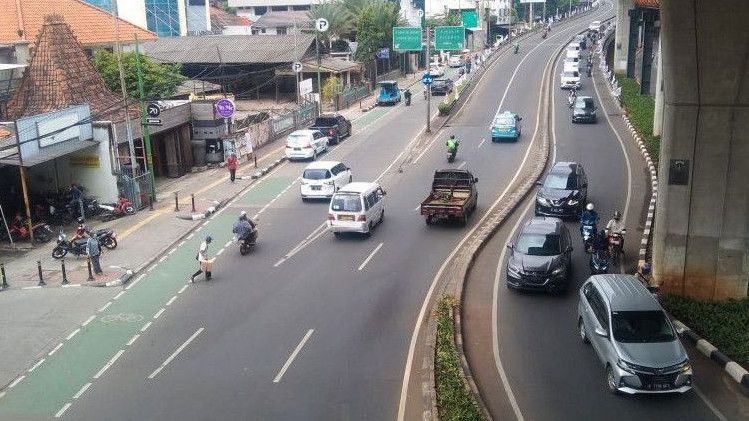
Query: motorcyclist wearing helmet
{"points": [[452, 145], [589, 215], [615, 225], [244, 227]]}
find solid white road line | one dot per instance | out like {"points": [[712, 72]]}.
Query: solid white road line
{"points": [[181, 290], [382, 174], [73, 333], [82, 391], [145, 326], [158, 313], [36, 365], [175, 353], [132, 284], [118, 295], [220, 251], [319, 231], [89, 320], [292, 356], [151, 268], [105, 306], [133, 339], [181, 243], [62, 410], [109, 364], [171, 300], [371, 255], [228, 243], [34, 287], [481, 143], [71, 286], [15, 382], [190, 236], [462, 164], [709, 404], [57, 348], [172, 250]]}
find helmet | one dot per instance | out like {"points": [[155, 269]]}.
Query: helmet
{"points": [[617, 215], [81, 220], [452, 136], [208, 239], [243, 215], [590, 207], [645, 268]]}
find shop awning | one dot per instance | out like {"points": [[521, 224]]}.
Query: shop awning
{"points": [[10, 156]]}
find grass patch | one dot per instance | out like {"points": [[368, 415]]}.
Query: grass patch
{"points": [[724, 324], [640, 110], [454, 400]]}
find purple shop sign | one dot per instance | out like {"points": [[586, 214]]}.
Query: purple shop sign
{"points": [[225, 108]]}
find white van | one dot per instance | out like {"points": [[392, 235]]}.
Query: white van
{"points": [[357, 207], [305, 144], [571, 66], [573, 46], [569, 79], [573, 54], [322, 179]]}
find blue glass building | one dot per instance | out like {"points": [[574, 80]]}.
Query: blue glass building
{"points": [[103, 4], [162, 17]]}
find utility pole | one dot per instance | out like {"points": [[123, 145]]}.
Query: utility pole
{"points": [[144, 123], [24, 187], [317, 54], [296, 74], [429, 91], [128, 129]]}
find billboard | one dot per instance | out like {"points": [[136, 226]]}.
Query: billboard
{"points": [[503, 10]]}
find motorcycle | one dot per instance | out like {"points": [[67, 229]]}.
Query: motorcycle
{"points": [[571, 100], [246, 244], [115, 210], [19, 230], [451, 156], [588, 231], [616, 245], [105, 237], [599, 263], [544, 34], [517, 48]]}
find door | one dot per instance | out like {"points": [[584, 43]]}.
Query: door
{"points": [[380, 195], [599, 320], [340, 175]]}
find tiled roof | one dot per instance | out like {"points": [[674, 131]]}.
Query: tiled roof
{"points": [[233, 48], [60, 75], [221, 19], [283, 19], [650, 4], [91, 25], [5, 132]]}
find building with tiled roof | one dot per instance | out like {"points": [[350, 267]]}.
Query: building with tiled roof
{"points": [[22, 20], [649, 4], [223, 22]]}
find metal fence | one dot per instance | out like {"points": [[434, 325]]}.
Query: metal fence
{"points": [[350, 95], [137, 189], [277, 126]]}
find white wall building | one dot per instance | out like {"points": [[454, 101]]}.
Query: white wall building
{"points": [[253, 9]]}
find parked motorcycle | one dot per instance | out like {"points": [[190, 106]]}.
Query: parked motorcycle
{"points": [[246, 244], [19, 230], [115, 210], [599, 263], [105, 237], [616, 245]]}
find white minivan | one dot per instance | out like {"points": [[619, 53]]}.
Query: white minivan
{"points": [[573, 54], [322, 179], [357, 207], [569, 79], [305, 144]]}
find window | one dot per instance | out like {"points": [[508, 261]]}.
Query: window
{"points": [[316, 174], [281, 30], [301, 7], [339, 169], [539, 244], [599, 309], [279, 8], [346, 203], [641, 327], [261, 10], [196, 2]]}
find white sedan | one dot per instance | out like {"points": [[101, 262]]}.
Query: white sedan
{"points": [[436, 70], [455, 61], [322, 179]]}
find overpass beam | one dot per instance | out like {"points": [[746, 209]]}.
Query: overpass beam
{"points": [[701, 232], [622, 34]]}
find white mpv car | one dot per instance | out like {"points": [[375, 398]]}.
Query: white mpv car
{"points": [[322, 179], [305, 144], [357, 207]]}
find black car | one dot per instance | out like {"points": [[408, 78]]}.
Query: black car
{"points": [[441, 86], [334, 126], [584, 110], [564, 191], [540, 256], [582, 40]]}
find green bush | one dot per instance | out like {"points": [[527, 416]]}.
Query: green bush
{"points": [[445, 106], [454, 400], [640, 110], [724, 324]]}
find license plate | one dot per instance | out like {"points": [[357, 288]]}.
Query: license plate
{"points": [[662, 386], [316, 187], [346, 218], [297, 149], [555, 210]]}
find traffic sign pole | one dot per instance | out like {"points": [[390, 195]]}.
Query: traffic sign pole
{"points": [[145, 128], [429, 90]]}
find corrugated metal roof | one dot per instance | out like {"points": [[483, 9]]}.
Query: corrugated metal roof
{"points": [[284, 20], [233, 49]]}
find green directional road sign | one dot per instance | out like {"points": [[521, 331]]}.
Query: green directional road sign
{"points": [[470, 19], [449, 37], [407, 38]]}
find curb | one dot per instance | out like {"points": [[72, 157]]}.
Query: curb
{"points": [[738, 373], [262, 171], [197, 216], [122, 280]]}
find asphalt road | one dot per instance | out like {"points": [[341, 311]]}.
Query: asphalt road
{"points": [[306, 326], [524, 350]]}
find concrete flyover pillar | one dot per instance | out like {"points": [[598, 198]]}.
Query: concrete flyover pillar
{"points": [[622, 34], [658, 115], [701, 232]]}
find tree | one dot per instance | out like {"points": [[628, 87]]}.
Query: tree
{"points": [[159, 80], [374, 28], [342, 22]]}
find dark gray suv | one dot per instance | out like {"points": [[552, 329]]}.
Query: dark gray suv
{"points": [[540, 256]]}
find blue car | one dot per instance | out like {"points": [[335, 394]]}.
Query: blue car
{"points": [[506, 126], [389, 93]]}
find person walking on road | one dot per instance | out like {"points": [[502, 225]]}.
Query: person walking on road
{"points": [[231, 164], [93, 250], [205, 264]]}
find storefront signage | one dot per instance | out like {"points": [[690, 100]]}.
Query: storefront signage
{"points": [[225, 108], [85, 161], [58, 129]]}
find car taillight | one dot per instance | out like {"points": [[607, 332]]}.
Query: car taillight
{"points": [[331, 217], [361, 218]]}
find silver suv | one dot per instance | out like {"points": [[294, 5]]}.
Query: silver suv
{"points": [[632, 336]]}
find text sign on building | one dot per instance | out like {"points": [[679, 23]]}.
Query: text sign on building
{"points": [[305, 87], [449, 37], [225, 108], [407, 38], [58, 130]]}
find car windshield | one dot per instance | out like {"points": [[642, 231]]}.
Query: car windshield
{"points": [[439, 82], [585, 103], [326, 121], [571, 74], [298, 139], [504, 121], [563, 181], [346, 203], [538, 244], [641, 327], [316, 174]]}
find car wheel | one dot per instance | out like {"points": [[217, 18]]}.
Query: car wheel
{"points": [[304, 199], [611, 380], [350, 178], [382, 216], [581, 330], [337, 234]]}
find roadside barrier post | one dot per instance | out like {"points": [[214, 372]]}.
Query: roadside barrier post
{"points": [[176, 201], [64, 274], [150, 202], [254, 157], [90, 274], [41, 277], [2, 272], [192, 199]]}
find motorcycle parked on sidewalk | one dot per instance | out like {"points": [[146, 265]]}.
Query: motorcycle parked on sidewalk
{"points": [[19, 230], [105, 236], [616, 245], [116, 210]]}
